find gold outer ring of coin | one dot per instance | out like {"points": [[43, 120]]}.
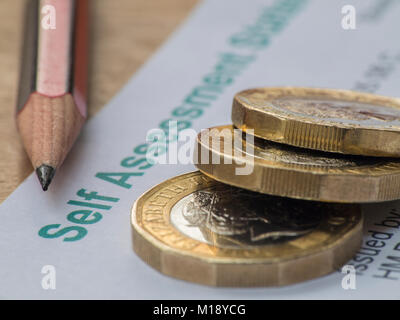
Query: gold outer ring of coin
{"points": [[287, 171], [375, 135], [161, 245]]}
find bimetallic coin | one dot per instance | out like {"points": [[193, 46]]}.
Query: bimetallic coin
{"points": [[194, 228], [322, 119], [283, 170]]}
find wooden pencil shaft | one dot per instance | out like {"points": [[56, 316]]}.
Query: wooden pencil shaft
{"points": [[55, 44], [54, 56], [49, 127], [51, 106], [27, 77]]}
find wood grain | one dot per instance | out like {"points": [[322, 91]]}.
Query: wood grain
{"points": [[48, 128], [124, 34]]}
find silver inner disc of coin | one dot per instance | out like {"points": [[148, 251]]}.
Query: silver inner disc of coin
{"points": [[230, 217]]}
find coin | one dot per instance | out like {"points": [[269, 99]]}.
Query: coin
{"points": [[283, 170], [196, 229], [322, 119]]}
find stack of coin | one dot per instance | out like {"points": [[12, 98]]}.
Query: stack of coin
{"points": [[276, 200]]}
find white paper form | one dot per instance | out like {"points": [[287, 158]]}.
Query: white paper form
{"points": [[243, 44]]}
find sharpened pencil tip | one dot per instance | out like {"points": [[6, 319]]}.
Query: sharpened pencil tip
{"points": [[45, 174]]}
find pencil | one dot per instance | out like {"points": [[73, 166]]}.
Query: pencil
{"points": [[51, 105]]}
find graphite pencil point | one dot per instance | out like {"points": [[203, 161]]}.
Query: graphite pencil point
{"points": [[51, 105], [45, 174]]}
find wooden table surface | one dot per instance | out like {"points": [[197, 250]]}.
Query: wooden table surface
{"points": [[124, 34]]}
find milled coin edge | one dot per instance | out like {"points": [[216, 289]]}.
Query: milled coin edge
{"points": [[303, 183], [209, 271], [309, 134]]}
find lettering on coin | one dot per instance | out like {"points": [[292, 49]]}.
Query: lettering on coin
{"points": [[328, 110], [331, 109], [268, 150]]}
